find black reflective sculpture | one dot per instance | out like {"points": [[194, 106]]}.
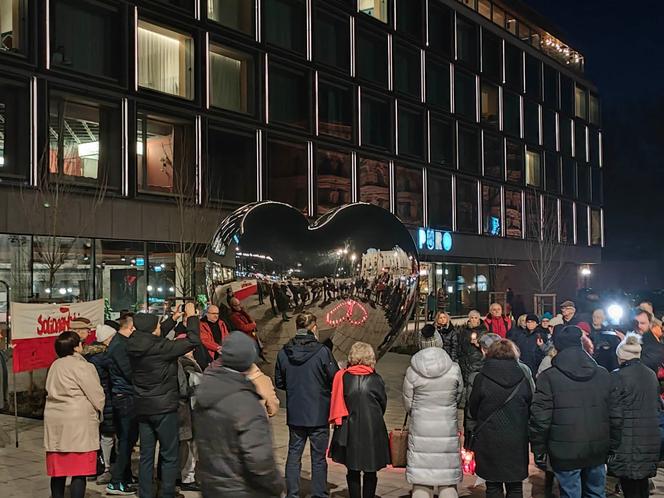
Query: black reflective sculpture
{"points": [[355, 268]]}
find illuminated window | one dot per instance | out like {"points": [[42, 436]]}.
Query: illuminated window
{"points": [[231, 79], [13, 16], [374, 8], [484, 8], [492, 210], [595, 227], [498, 16], [234, 14], [533, 168], [489, 104], [580, 102]]}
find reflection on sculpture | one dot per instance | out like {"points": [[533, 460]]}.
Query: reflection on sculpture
{"points": [[355, 268]]}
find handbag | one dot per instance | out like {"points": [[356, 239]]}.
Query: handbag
{"points": [[471, 439], [399, 445], [339, 442]]}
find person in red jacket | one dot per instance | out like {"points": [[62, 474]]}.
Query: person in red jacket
{"points": [[240, 320], [496, 322], [213, 331]]}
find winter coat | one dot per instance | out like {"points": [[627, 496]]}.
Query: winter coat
{"points": [[368, 447], [470, 356], [74, 400], [97, 354], [635, 407], [450, 337], [242, 321], [652, 354], [188, 370], [282, 300], [501, 445], [575, 320], [435, 341], [532, 354], [265, 390], [432, 389], [233, 437], [154, 363], [500, 326], [120, 367], [305, 369], [570, 412], [605, 344]]}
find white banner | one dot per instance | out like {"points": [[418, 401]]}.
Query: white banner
{"points": [[33, 321]]}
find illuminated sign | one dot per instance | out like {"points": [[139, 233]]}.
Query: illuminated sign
{"points": [[494, 225], [434, 240]]}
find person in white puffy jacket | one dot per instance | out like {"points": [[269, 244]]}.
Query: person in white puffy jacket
{"points": [[431, 391]]}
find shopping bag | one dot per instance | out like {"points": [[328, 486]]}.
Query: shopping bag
{"points": [[399, 445]]}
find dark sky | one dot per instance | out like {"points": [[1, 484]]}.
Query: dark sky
{"points": [[623, 44]]}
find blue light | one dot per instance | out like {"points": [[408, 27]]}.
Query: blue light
{"points": [[236, 238], [431, 240], [140, 261], [447, 241], [494, 225], [434, 240]]}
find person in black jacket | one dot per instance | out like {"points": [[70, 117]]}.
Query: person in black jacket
{"points": [[569, 420], [605, 343], [360, 440], [233, 437], [448, 333], [499, 403], [154, 364], [634, 419], [470, 354], [568, 312], [305, 369], [530, 342]]}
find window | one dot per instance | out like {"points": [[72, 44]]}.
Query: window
{"points": [[533, 216], [533, 168], [375, 8], [374, 182], [569, 177], [567, 90], [376, 122], [583, 182], [513, 67], [100, 27], [511, 113], [580, 102], [552, 165], [596, 185], [492, 56], [551, 86], [335, 110], [407, 75], [531, 124], [514, 162], [466, 205], [484, 8], [565, 135], [580, 151], [333, 183], [287, 173], [409, 195], [582, 225], [409, 18], [440, 28], [234, 14], [566, 222], [161, 272], [332, 40], [593, 107], [411, 133], [489, 104], [469, 149], [231, 166], [550, 218], [72, 275], [231, 79], [513, 213], [287, 26], [165, 60], [467, 42], [494, 165], [371, 57], [117, 278], [492, 210], [533, 77], [442, 142], [181, 4], [439, 200], [549, 129], [498, 16], [164, 155], [512, 24], [469, 3], [13, 17], [594, 147], [289, 96], [465, 95], [595, 227], [14, 127], [84, 140], [438, 84]]}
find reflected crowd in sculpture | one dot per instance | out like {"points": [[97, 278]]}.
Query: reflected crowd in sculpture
{"points": [[355, 268]]}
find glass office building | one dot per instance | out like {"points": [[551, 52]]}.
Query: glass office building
{"points": [[469, 117]]}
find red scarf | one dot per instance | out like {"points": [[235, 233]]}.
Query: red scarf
{"points": [[338, 408]]}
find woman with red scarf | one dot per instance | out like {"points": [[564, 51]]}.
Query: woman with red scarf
{"points": [[360, 440]]}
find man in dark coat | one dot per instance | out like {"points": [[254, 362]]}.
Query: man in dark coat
{"points": [[305, 369], [568, 311], [634, 421], [233, 436], [569, 420], [530, 342], [154, 363]]}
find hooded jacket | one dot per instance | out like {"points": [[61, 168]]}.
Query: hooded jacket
{"points": [[501, 445], [97, 354], [570, 412], [233, 436], [305, 369], [154, 364], [431, 391]]}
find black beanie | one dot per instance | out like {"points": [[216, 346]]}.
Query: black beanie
{"points": [[532, 318], [145, 322], [238, 352], [427, 331], [567, 337]]}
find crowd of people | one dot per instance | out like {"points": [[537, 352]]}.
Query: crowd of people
{"points": [[501, 387]]}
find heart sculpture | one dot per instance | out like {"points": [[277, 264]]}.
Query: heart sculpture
{"points": [[356, 269]]}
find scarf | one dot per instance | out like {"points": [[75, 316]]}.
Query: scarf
{"points": [[338, 408]]}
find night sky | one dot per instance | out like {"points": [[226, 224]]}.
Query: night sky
{"points": [[623, 44]]}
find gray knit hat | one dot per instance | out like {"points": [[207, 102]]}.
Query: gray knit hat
{"points": [[238, 351], [629, 348]]}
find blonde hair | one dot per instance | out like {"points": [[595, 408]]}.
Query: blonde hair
{"points": [[361, 353], [521, 322], [435, 318]]}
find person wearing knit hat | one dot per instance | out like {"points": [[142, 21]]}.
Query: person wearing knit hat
{"points": [[105, 333], [429, 337], [238, 352], [567, 337], [635, 436]]}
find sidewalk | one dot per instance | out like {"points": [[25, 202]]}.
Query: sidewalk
{"points": [[22, 470]]}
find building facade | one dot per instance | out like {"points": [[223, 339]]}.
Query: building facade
{"points": [[129, 127]]}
